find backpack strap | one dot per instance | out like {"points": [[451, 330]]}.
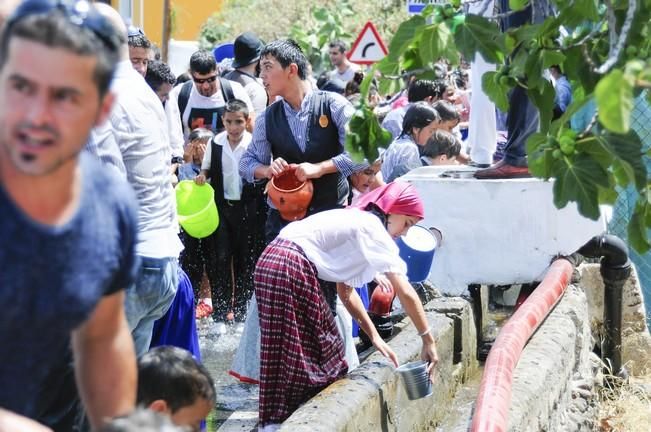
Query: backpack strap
{"points": [[184, 97], [227, 89]]}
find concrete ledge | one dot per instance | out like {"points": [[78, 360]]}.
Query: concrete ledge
{"points": [[556, 359], [636, 340], [371, 398]]}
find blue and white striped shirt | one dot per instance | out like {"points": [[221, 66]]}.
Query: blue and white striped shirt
{"points": [[259, 151]]}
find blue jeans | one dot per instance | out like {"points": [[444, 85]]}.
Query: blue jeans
{"points": [[149, 298]]}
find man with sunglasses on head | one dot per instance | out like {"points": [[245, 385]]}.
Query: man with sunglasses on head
{"points": [[201, 102], [139, 49], [68, 235]]}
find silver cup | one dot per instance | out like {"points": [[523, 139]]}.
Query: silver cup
{"points": [[415, 379]]}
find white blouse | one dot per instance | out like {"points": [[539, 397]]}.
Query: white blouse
{"points": [[346, 245]]}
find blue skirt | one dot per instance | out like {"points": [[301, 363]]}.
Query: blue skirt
{"points": [[178, 327]]}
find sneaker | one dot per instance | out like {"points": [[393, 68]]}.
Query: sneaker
{"points": [[204, 310]]}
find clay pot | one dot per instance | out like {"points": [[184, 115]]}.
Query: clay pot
{"points": [[290, 195]]}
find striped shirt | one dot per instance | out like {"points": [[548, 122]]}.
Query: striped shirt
{"points": [[259, 151]]}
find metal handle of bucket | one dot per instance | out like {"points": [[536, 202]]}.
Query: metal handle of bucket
{"points": [[437, 235]]}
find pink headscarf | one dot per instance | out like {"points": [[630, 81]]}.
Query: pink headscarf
{"points": [[394, 198]]}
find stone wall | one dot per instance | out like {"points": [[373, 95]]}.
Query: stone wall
{"points": [[553, 381], [371, 398]]}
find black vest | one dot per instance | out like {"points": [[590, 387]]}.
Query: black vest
{"points": [[249, 190], [322, 143]]}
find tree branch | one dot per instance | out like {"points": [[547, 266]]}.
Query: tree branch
{"points": [[616, 48], [590, 125]]}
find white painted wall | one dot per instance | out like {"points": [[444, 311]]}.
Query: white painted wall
{"points": [[496, 231], [179, 55]]}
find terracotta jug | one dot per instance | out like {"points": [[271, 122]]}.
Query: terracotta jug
{"points": [[290, 195]]}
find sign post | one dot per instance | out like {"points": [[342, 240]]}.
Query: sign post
{"points": [[368, 48]]}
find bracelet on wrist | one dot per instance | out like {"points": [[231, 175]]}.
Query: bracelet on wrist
{"points": [[429, 329]]}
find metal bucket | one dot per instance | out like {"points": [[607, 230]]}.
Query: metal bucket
{"points": [[415, 379]]}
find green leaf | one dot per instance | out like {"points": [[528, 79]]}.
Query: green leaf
{"points": [[552, 57], [411, 59], [478, 34], [533, 68], [388, 67], [405, 35], [637, 229], [525, 32], [586, 9], [577, 180], [628, 149], [614, 97], [517, 5], [543, 99], [607, 195], [434, 42], [496, 92]]}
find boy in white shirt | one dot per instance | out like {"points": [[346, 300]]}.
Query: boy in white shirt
{"points": [[241, 206]]}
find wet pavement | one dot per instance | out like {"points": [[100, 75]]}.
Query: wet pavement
{"points": [[218, 344]]}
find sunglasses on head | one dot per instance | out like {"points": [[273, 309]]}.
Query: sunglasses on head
{"points": [[78, 12], [135, 31], [204, 80]]}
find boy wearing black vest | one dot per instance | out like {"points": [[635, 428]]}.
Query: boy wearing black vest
{"points": [[306, 128], [239, 205]]}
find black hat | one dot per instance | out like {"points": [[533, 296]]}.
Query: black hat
{"points": [[247, 49]]}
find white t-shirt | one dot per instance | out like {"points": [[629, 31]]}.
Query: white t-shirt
{"points": [[230, 163], [347, 75], [202, 109], [346, 245]]}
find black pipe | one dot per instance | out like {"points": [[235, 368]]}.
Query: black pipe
{"points": [[615, 270]]}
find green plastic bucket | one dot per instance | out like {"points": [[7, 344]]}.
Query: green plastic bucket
{"points": [[196, 208]]}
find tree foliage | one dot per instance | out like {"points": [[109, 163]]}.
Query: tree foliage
{"points": [[605, 54], [312, 23]]}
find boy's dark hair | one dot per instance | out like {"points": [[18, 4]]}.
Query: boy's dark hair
{"points": [[159, 73], [173, 375], [557, 68], [56, 30], [286, 52], [237, 106], [203, 62], [419, 115], [419, 90], [201, 134], [341, 45], [352, 86], [446, 111], [441, 143]]}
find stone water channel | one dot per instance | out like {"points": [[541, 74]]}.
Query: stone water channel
{"points": [[240, 401]]}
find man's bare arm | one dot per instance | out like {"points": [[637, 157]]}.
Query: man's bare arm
{"points": [[105, 361]]}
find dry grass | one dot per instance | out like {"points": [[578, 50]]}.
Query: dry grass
{"points": [[625, 404]]}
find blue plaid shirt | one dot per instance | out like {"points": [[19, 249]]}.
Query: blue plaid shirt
{"points": [[259, 151]]}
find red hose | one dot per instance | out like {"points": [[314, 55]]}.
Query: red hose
{"points": [[494, 399]]}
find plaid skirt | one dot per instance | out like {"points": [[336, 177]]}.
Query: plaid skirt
{"points": [[301, 350]]}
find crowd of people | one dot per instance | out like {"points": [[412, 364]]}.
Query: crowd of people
{"points": [[99, 280]]}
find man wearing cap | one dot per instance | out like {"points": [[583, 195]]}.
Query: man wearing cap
{"points": [[247, 54]]}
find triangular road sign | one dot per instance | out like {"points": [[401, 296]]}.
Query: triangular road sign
{"points": [[368, 47]]}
